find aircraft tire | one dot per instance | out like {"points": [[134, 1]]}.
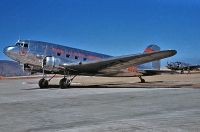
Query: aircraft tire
{"points": [[43, 83], [64, 83], [142, 80]]}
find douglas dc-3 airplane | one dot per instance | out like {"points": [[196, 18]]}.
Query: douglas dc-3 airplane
{"points": [[48, 58]]}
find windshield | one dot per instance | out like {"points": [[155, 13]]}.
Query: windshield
{"points": [[22, 44], [18, 44]]}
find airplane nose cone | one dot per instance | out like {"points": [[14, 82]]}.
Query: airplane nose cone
{"points": [[8, 49], [5, 50]]}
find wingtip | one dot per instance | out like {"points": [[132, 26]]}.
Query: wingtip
{"points": [[171, 52], [174, 52]]}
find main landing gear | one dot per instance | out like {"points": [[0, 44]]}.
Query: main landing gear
{"points": [[43, 83], [64, 82], [141, 79]]}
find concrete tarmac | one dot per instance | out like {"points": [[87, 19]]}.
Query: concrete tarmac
{"points": [[26, 108]]}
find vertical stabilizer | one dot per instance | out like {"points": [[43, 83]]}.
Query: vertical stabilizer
{"points": [[153, 48]]}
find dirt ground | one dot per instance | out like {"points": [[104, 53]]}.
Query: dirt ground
{"points": [[159, 81]]}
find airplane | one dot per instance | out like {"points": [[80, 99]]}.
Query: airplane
{"points": [[49, 58], [181, 66]]}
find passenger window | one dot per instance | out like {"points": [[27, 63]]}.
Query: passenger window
{"points": [[67, 55], [84, 59], [76, 57], [58, 54]]}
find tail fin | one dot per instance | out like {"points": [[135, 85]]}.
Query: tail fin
{"points": [[153, 48]]}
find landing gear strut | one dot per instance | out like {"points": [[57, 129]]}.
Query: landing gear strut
{"points": [[141, 79], [43, 83]]}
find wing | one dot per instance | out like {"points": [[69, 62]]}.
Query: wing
{"points": [[114, 64]]}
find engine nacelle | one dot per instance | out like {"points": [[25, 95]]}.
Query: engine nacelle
{"points": [[52, 63]]}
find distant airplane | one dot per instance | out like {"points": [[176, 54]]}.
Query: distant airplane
{"points": [[48, 58], [181, 66]]}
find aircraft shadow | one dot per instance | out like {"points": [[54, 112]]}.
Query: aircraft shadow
{"points": [[53, 87], [150, 85], [155, 84]]}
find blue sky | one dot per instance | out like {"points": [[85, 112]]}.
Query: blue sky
{"points": [[114, 27]]}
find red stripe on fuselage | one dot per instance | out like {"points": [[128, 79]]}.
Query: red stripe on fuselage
{"points": [[57, 50], [132, 69], [74, 53]]}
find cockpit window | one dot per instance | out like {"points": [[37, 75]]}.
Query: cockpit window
{"points": [[17, 44], [22, 45], [26, 45]]}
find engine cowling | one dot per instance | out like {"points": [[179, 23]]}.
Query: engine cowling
{"points": [[51, 63]]}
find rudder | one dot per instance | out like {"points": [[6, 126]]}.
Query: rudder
{"points": [[153, 48]]}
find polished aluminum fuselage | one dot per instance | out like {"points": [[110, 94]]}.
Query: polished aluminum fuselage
{"points": [[36, 51]]}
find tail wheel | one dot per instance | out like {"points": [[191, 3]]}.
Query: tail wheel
{"points": [[43, 83], [141, 79], [64, 83]]}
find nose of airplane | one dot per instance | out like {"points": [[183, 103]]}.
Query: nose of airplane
{"points": [[8, 49]]}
